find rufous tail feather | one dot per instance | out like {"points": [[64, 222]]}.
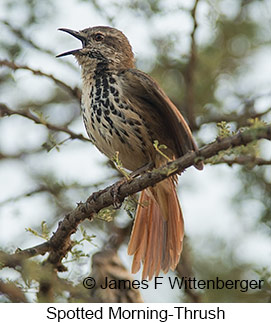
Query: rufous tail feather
{"points": [[157, 236]]}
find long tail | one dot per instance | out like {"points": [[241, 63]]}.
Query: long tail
{"points": [[158, 230]]}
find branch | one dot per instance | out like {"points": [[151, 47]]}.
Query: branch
{"points": [[60, 242], [241, 119], [12, 292], [189, 73], [17, 259], [106, 263], [38, 190], [20, 154], [18, 32], [73, 91], [185, 269], [244, 160], [6, 111]]}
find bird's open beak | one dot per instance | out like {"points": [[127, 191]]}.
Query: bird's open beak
{"points": [[77, 35]]}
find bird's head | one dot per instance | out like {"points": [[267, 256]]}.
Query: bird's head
{"points": [[101, 46]]}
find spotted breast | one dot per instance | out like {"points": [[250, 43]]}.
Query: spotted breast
{"points": [[111, 122]]}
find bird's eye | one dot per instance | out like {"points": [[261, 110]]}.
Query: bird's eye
{"points": [[99, 37]]}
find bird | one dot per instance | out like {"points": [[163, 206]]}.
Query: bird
{"points": [[125, 111]]}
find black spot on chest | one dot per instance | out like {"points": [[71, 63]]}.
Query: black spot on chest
{"points": [[106, 105]]}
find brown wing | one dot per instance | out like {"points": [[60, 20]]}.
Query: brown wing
{"points": [[145, 92]]}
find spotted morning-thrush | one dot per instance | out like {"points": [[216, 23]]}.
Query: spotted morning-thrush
{"points": [[125, 111]]}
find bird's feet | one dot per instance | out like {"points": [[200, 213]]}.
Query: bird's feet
{"points": [[142, 169], [117, 200]]}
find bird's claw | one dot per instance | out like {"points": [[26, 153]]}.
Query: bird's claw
{"points": [[117, 201]]}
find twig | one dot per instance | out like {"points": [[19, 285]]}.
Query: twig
{"points": [[190, 71], [12, 292], [6, 111], [22, 36], [19, 34], [73, 91], [106, 263], [20, 154], [27, 194], [241, 119], [17, 259], [244, 160], [184, 269]]}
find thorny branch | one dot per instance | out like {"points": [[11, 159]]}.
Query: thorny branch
{"points": [[75, 92], [60, 242], [6, 111]]}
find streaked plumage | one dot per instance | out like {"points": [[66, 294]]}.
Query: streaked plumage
{"points": [[125, 110]]}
